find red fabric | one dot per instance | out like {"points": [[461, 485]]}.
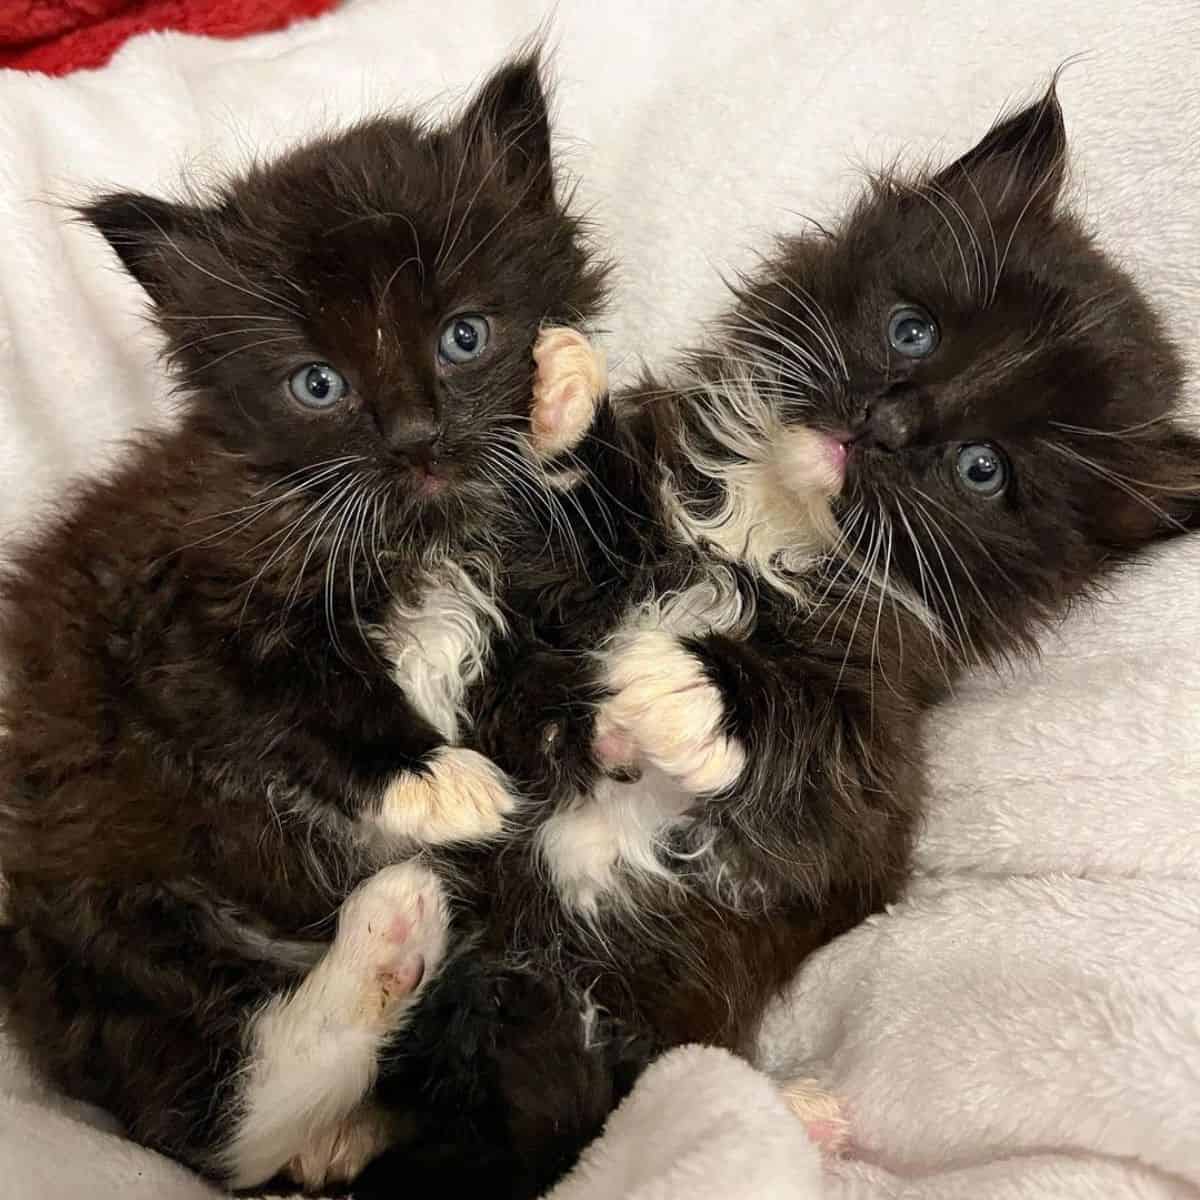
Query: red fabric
{"points": [[59, 36]]}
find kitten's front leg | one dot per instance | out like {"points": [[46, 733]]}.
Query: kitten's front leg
{"points": [[571, 377], [456, 795]]}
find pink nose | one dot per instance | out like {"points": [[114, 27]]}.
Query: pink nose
{"points": [[836, 452]]}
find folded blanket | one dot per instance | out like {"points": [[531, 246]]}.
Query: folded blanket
{"points": [[1025, 1023]]}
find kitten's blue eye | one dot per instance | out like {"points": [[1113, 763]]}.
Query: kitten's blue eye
{"points": [[982, 469], [318, 386], [912, 332], [463, 338]]}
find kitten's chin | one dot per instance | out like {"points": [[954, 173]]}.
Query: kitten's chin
{"points": [[811, 463], [429, 486]]}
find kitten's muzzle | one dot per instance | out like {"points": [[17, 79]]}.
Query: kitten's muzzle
{"points": [[890, 421], [412, 436]]}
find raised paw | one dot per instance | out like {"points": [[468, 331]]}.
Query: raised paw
{"points": [[460, 796], [335, 1156], [665, 712], [569, 381], [391, 937], [821, 1114]]}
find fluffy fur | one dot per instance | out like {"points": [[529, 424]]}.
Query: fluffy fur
{"points": [[675, 911], [205, 748]]}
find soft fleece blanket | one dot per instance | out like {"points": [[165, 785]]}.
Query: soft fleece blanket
{"points": [[1027, 1022]]}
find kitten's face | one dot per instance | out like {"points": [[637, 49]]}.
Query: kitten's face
{"points": [[996, 396], [372, 300]]}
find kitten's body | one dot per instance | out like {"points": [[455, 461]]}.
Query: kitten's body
{"points": [[206, 749], [672, 908]]}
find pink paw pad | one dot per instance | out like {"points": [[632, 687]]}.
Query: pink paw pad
{"points": [[615, 751], [391, 935], [830, 1136], [821, 1113], [406, 977]]}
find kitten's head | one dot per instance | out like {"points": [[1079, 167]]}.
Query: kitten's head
{"points": [[995, 401], [367, 305]]}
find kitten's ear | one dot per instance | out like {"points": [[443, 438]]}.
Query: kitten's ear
{"points": [[145, 232], [509, 119], [1172, 504], [1021, 162]]}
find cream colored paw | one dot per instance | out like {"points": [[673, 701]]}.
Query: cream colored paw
{"points": [[391, 937], [570, 379], [664, 711], [336, 1155], [821, 1113], [462, 796]]}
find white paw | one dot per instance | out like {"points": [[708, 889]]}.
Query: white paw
{"points": [[462, 796], [391, 938], [336, 1155], [664, 711], [570, 379], [821, 1114]]}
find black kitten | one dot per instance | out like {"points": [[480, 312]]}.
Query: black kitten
{"points": [[917, 440], [207, 743]]}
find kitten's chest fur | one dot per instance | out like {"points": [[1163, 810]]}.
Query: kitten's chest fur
{"points": [[438, 637]]}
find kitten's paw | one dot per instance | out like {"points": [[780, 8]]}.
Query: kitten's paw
{"points": [[462, 796], [570, 379], [336, 1155], [821, 1113], [391, 938], [666, 712]]}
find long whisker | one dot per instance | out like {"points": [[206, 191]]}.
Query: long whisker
{"points": [[954, 610], [1124, 483]]}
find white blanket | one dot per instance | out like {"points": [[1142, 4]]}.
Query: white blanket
{"points": [[1027, 1022]]}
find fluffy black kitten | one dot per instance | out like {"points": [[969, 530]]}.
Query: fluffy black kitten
{"points": [[207, 744], [917, 440]]}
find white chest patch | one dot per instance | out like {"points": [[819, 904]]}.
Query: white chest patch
{"points": [[592, 849], [439, 644]]}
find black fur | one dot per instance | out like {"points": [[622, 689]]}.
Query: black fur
{"points": [[197, 715]]}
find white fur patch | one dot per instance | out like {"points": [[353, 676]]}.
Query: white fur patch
{"points": [[776, 479], [336, 1155], [439, 646], [313, 1054], [462, 796], [591, 848]]}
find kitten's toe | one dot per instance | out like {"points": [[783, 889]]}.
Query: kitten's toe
{"points": [[569, 381], [392, 934], [821, 1114], [461, 796], [336, 1155], [663, 699], [615, 750]]}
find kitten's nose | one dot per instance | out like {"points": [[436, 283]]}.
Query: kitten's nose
{"points": [[890, 422], [413, 436]]}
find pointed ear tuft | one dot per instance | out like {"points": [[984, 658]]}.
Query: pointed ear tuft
{"points": [[143, 232], [509, 117], [1171, 504], [1020, 163]]}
